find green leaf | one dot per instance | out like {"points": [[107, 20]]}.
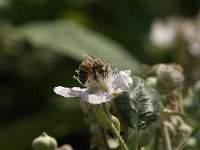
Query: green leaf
{"points": [[140, 106], [73, 40]]}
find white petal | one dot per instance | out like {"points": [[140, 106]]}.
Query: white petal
{"points": [[122, 81], [70, 92], [97, 98]]}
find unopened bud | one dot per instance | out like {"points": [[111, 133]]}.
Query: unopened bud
{"points": [[142, 148], [116, 123], [152, 81], [65, 147], [169, 77], [44, 142], [192, 142]]}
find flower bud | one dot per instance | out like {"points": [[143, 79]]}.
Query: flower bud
{"points": [[152, 81], [65, 147], [116, 123], [192, 142], [44, 142], [169, 77]]}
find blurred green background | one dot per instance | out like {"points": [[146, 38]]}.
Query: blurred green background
{"points": [[42, 43]]}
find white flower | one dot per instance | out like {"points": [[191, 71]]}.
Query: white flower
{"points": [[163, 34], [119, 83]]}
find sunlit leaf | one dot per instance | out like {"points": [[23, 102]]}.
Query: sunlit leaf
{"points": [[140, 106], [73, 40]]}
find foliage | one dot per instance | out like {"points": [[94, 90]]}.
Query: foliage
{"points": [[140, 106]]}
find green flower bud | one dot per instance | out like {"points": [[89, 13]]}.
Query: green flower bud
{"points": [[192, 142], [65, 147], [152, 81], [116, 123], [44, 142]]}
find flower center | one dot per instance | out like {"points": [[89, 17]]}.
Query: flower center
{"points": [[95, 74]]}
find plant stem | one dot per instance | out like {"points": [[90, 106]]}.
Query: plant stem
{"points": [[105, 108], [167, 138], [136, 139], [180, 100], [117, 135], [114, 129]]}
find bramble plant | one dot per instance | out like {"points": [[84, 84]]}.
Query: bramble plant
{"points": [[140, 91], [121, 108]]}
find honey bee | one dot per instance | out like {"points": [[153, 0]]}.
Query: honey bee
{"points": [[93, 70]]}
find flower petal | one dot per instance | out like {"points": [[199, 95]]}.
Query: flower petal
{"points": [[122, 81], [70, 92], [96, 98]]}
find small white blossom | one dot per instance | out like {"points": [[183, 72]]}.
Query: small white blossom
{"points": [[163, 34], [119, 83]]}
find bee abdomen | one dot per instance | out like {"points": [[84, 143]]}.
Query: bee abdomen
{"points": [[83, 76]]}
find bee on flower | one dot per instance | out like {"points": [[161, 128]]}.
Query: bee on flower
{"points": [[100, 80], [94, 73]]}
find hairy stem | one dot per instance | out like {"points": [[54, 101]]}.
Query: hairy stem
{"points": [[117, 135], [114, 129], [167, 138], [136, 139], [180, 100]]}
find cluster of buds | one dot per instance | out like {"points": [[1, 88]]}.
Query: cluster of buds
{"points": [[168, 79]]}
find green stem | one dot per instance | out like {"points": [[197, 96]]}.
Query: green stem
{"points": [[105, 108], [180, 100], [136, 139], [114, 129], [167, 138], [117, 135]]}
